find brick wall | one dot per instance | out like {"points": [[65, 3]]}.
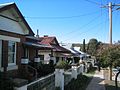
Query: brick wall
{"points": [[19, 51]]}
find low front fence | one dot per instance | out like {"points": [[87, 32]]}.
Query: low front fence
{"points": [[62, 77], [67, 78], [45, 83], [59, 78]]}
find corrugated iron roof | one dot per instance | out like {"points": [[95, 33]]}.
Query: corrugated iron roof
{"points": [[36, 45], [60, 49]]}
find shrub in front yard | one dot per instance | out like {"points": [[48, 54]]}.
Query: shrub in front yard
{"points": [[57, 88], [62, 65], [78, 84], [45, 69], [5, 83]]}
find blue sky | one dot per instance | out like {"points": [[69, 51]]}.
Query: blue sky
{"points": [[70, 21]]}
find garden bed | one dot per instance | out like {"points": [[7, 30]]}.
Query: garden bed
{"points": [[78, 84]]}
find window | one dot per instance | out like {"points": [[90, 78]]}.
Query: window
{"points": [[11, 53], [27, 53], [0, 53], [41, 57], [57, 59]]}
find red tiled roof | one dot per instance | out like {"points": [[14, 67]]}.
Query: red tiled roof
{"points": [[52, 41], [47, 40]]}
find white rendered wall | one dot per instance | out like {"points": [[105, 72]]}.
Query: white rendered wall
{"points": [[46, 55]]}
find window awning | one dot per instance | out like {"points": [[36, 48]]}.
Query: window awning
{"points": [[36, 45]]}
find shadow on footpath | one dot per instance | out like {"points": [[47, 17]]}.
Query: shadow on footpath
{"points": [[96, 84], [109, 85]]}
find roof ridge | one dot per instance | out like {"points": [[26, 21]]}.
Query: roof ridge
{"points": [[5, 4]]}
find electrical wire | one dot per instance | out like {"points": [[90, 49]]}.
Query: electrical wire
{"points": [[93, 2], [86, 30], [100, 29], [83, 26], [65, 17]]}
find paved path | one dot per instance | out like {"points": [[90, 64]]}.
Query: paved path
{"points": [[97, 83]]}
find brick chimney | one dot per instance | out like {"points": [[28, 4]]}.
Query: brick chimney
{"points": [[37, 36]]}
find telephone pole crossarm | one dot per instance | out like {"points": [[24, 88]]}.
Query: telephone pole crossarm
{"points": [[110, 7]]}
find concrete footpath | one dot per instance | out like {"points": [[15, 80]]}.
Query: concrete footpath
{"points": [[97, 82]]}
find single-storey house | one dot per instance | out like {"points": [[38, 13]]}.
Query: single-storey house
{"points": [[56, 53], [13, 28], [17, 42]]}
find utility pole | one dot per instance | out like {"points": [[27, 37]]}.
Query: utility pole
{"points": [[110, 7], [110, 22]]}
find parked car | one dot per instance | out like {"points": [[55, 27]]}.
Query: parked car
{"points": [[114, 72]]}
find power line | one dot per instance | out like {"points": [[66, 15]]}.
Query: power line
{"points": [[97, 32], [64, 17], [110, 8], [88, 29], [85, 25], [93, 2]]}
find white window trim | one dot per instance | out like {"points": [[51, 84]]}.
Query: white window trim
{"points": [[12, 64], [9, 38], [13, 67]]}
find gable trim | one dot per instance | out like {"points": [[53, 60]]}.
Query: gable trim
{"points": [[13, 5]]}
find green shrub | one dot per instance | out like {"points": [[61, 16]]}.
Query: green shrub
{"points": [[77, 84], [45, 69], [57, 88], [62, 65], [5, 82]]}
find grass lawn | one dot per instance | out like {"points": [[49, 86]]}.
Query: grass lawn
{"points": [[78, 84]]}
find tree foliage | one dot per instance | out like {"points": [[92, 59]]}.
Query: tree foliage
{"points": [[62, 64], [92, 46], [110, 57], [83, 48]]}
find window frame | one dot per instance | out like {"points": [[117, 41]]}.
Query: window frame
{"points": [[42, 56], [14, 62]]}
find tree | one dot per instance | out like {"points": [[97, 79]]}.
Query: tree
{"points": [[92, 46], [118, 42], [110, 57], [83, 48]]}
